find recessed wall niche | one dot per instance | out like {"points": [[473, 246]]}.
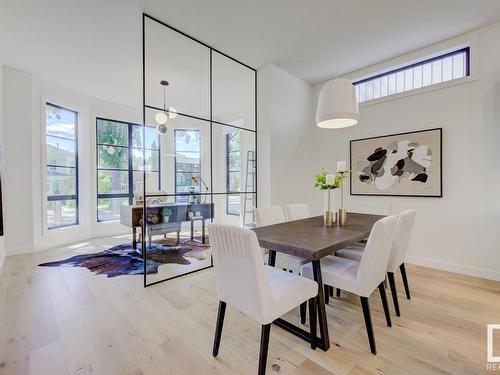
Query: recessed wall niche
{"points": [[208, 153]]}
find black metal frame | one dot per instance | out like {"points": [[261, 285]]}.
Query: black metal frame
{"points": [[130, 170], [401, 195], [75, 196], [209, 121], [228, 175], [423, 62]]}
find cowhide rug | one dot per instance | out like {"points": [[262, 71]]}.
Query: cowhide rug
{"points": [[124, 260]]}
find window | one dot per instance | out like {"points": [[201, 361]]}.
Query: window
{"points": [[187, 163], [233, 168], [120, 149], [442, 68], [62, 166]]}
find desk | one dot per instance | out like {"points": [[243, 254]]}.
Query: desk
{"points": [[131, 216], [309, 239]]}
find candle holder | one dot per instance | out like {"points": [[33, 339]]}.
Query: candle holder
{"points": [[329, 217], [342, 210]]}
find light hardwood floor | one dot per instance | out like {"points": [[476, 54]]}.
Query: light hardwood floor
{"points": [[68, 321]]}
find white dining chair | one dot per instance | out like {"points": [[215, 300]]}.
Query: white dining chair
{"points": [[399, 250], [261, 292], [274, 215], [362, 278], [297, 211]]}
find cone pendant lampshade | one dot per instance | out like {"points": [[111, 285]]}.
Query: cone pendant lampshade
{"points": [[337, 106]]}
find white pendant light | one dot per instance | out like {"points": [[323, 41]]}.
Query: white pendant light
{"points": [[161, 118], [337, 106]]}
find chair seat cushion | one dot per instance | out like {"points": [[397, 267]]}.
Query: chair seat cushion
{"points": [[353, 253], [288, 291], [337, 272]]}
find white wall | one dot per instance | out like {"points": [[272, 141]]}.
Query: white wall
{"points": [[24, 98], [285, 163], [459, 232]]}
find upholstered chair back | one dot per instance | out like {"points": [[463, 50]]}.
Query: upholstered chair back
{"points": [[404, 229], [373, 264]]}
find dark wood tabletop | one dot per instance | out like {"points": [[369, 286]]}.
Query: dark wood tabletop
{"points": [[309, 239]]}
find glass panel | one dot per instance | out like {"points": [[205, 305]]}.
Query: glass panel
{"points": [[459, 65], [109, 208], [184, 63], [436, 71], [427, 72], [447, 68], [233, 204], [392, 84], [112, 157], [408, 79], [61, 151], [417, 77], [362, 92], [225, 161], [169, 217], [376, 88], [152, 160], [400, 82], [152, 180], [185, 147], [60, 122], [61, 213], [369, 90], [227, 205], [233, 88], [152, 137], [112, 133], [61, 181], [112, 182], [384, 86]]}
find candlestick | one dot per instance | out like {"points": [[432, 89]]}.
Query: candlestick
{"points": [[341, 166]]}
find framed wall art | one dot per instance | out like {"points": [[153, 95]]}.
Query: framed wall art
{"points": [[405, 164]]}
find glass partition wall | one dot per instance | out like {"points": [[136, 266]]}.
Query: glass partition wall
{"points": [[207, 150]]}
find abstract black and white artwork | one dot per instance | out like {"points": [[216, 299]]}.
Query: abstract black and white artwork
{"points": [[405, 164]]}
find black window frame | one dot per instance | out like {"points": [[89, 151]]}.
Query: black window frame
{"points": [[65, 197], [184, 196], [130, 164], [442, 56], [229, 171]]}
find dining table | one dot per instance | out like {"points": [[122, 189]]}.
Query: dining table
{"points": [[309, 239]]}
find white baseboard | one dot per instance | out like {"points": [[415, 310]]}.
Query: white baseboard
{"points": [[453, 267]]}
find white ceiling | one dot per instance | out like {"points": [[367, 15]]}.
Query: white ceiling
{"points": [[94, 46], [319, 39]]}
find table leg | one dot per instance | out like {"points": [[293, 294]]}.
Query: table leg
{"points": [[203, 231], [134, 238], [323, 324], [192, 229], [271, 258]]}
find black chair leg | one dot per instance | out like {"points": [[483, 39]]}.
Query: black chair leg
{"points": [[312, 321], [338, 293], [383, 297], [368, 323], [327, 295], [264, 345], [392, 284], [218, 327], [303, 311], [405, 280]]}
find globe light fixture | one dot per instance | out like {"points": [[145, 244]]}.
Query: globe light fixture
{"points": [[162, 117], [337, 106]]}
